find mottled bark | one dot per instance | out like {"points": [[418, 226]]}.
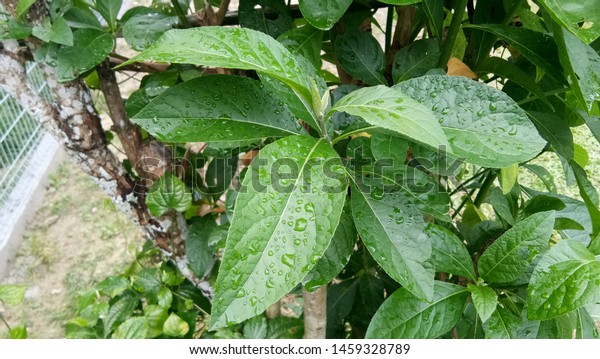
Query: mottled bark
{"points": [[315, 313]]}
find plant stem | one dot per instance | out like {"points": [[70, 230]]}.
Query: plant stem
{"points": [[315, 313], [463, 184], [485, 187], [180, 14], [5, 322], [388, 28], [348, 134], [462, 204], [547, 93], [455, 26]]}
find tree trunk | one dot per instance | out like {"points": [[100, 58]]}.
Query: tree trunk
{"points": [[315, 313]]}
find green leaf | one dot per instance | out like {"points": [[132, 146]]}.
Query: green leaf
{"points": [[340, 299], [392, 231], [508, 177], [586, 327], [147, 281], [23, 6], [142, 30], [581, 17], [109, 9], [386, 147], [12, 294], [113, 285], [164, 297], [509, 256], [95, 44], [256, 328], [323, 14], [415, 60], [217, 108], [544, 175], [483, 125], [537, 47], [556, 131], [155, 317], [566, 278], [449, 254], [361, 56], [469, 326], [284, 218], [508, 70], [391, 109], [82, 18], [590, 196], [401, 2], [434, 10], [198, 248], [285, 328], [305, 41], [582, 66], [19, 332], [132, 328], [272, 18], [175, 326], [58, 32], [169, 192], [336, 256], [402, 315], [119, 310], [243, 49], [502, 325], [484, 299], [543, 203], [502, 206]]}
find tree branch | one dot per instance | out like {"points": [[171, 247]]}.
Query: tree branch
{"points": [[315, 313]]}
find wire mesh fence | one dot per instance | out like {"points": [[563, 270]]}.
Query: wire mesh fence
{"points": [[20, 134]]}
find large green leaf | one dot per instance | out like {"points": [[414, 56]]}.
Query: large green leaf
{"points": [[415, 60], [434, 10], [217, 108], [336, 256], [58, 32], [484, 299], [141, 30], [510, 255], [285, 216], [508, 70], [537, 47], [582, 66], [169, 192], [403, 315], [11, 294], [391, 109], [502, 325], [132, 328], [581, 17], [109, 9], [566, 278], [449, 253], [174, 326], [323, 14], [198, 248], [483, 125], [119, 311], [556, 131], [392, 230], [305, 41], [361, 56], [590, 196], [90, 47], [237, 48]]}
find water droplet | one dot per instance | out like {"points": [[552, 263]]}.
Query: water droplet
{"points": [[270, 283], [241, 293], [301, 224], [492, 107], [288, 260], [377, 193]]}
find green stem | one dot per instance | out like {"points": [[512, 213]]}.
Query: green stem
{"points": [[388, 28], [547, 93], [462, 185], [5, 322], [485, 187], [180, 14], [348, 134], [463, 203], [455, 26]]}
